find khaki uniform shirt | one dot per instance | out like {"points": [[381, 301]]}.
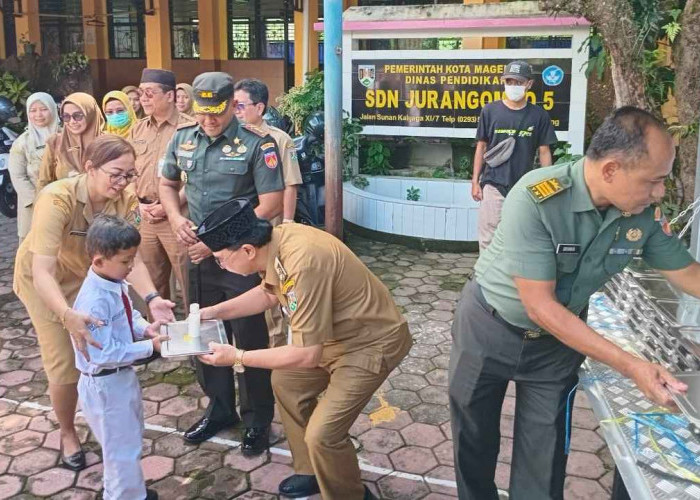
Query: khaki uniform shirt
{"points": [[52, 168], [61, 219], [24, 170], [150, 141], [551, 231], [332, 299], [241, 163], [285, 144]]}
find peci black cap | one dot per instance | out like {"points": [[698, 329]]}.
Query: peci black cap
{"points": [[519, 70], [161, 76], [212, 91], [226, 225]]}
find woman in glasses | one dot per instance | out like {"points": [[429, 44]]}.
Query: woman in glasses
{"points": [[27, 152], [52, 262], [119, 113], [65, 151]]}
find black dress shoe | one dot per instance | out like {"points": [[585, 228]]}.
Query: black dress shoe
{"points": [[255, 441], [205, 428], [74, 462], [151, 494], [369, 495], [299, 485]]}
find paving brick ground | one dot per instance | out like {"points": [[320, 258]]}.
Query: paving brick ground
{"points": [[403, 435]]}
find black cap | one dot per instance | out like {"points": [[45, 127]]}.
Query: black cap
{"points": [[212, 91], [161, 76], [226, 225], [519, 70]]}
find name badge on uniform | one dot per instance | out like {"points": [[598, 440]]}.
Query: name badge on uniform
{"points": [[185, 154], [568, 249], [626, 251]]}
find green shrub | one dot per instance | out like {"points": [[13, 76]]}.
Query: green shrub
{"points": [[377, 160], [16, 90]]}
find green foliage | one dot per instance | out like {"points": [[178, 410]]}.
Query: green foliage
{"points": [[350, 141], [360, 182], [70, 64], [300, 101], [563, 155], [465, 169], [673, 27], [16, 90], [377, 160], [598, 57], [413, 194], [440, 173]]}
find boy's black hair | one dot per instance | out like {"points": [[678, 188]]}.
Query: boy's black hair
{"points": [[108, 234]]}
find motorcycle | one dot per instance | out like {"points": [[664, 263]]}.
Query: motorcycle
{"points": [[311, 204], [8, 196]]}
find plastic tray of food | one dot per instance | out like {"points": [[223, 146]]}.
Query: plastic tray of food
{"points": [[181, 343]]}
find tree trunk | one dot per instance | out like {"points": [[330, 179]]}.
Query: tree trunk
{"points": [[687, 89]]}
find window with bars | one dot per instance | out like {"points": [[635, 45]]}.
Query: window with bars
{"points": [[184, 25], [257, 29], [61, 25], [126, 29]]}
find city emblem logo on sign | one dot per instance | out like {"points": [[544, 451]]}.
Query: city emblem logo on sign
{"points": [[365, 73], [553, 76]]}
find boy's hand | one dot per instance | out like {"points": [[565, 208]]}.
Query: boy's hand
{"points": [[157, 341], [153, 330]]}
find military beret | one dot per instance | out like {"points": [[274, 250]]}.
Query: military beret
{"points": [[227, 225]]}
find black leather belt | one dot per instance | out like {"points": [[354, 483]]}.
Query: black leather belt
{"points": [[107, 371], [145, 201], [526, 333]]}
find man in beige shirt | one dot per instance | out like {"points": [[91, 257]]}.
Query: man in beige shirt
{"points": [[150, 136]]}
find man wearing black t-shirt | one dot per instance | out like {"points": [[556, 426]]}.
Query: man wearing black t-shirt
{"points": [[532, 129]]}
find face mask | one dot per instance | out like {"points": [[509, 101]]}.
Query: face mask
{"points": [[118, 120], [515, 92]]}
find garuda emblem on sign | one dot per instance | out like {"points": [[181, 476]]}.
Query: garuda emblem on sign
{"points": [[365, 73]]}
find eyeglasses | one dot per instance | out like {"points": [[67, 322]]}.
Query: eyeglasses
{"points": [[78, 116], [116, 178], [150, 93], [240, 106], [220, 262]]}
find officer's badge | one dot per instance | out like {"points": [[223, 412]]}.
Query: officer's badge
{"points": [[183, 176], [281, 272], [271, 159], [292, 301], [226, 149], [188, 146], [241, 149], [545, 189], [236, 140], [634, 234]]}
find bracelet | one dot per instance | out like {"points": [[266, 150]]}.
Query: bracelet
{"points": [[148, 298], [238, 365], [63, 316], [287, 221]]}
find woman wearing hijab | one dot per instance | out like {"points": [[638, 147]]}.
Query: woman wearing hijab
{"points": [[133, 93], [184, 95], [26, 154], [82, 124], [119, 113]]}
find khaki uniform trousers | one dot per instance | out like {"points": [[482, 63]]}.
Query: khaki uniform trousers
{"points": [[163, 254], [489, 215]]}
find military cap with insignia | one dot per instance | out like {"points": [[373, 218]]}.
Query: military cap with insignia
{"points": [[228, 224], [212, 91]]}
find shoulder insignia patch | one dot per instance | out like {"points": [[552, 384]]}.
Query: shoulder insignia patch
{"points": [[267, 145], [545, 189], [255, 130]]}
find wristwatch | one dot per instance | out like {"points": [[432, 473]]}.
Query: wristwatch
{"points": [[238, 362], [287, 221], [148, 298]]}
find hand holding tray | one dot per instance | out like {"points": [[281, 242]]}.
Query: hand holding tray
{"points": [[182, 344]]}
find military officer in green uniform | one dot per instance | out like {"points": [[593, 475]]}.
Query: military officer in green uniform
{"points": [[565, 231], [218, 159]]}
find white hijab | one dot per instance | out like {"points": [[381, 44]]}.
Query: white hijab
{"points": [[38, 135]]}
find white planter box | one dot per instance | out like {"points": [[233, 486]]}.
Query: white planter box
{"points": [[445, 210]]}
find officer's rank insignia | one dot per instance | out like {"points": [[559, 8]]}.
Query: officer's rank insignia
{"points": [[187, 146], [267, 145], [626, 251], [271, 159], [236, 141], [183, 176], [281, 272], [226, 149], [545, 189], [658, 214], [241, 149], [634, 234]]}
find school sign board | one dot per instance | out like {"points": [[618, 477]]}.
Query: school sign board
{"points": [[449, 94]]}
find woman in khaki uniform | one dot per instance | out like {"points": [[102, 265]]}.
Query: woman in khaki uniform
{"points": [[346, 336], [65, 151], [52, 262], [26, 154]]}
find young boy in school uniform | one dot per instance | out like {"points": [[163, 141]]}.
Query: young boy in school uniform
{"points": [[109, 390]]}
